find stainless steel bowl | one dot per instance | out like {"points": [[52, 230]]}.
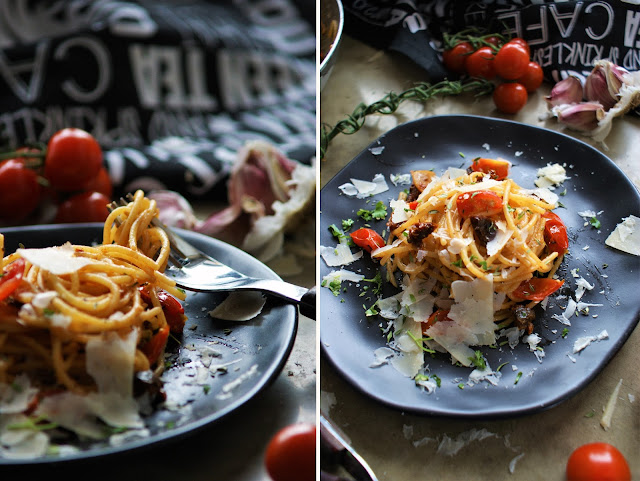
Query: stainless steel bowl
{"points": [[331, 26]]}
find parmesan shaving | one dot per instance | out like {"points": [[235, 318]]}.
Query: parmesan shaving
{"points": [[607, 415], [57, 260]]}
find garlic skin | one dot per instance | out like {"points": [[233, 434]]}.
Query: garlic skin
{"points": [[566, 92], [583, 117], [604, 83]]}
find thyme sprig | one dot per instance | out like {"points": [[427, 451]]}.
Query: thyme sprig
{"points": [[421, 92]]}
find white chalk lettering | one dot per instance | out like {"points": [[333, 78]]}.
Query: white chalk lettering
{"points": [[631, 28], [16, 73], [610, 17], [103, 70]]}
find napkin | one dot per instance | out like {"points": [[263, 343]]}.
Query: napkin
{"points": [[171, 89]]}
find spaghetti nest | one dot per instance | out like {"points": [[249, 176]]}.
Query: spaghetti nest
{"points": [[471, 227], [67, 296]]}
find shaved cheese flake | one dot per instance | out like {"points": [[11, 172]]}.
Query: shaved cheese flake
{"points": [[626, 236], [339, 255], [582, 342], [607, 415], [501, 238], [16, 397], [362, 188], [550, 176], [239, 306], [58, 260], [381, 356], [457, 244], [401, 211], [342, 275], [21, 443]]}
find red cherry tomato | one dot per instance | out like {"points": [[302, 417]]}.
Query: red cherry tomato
{"points": [[480, 63], [523, 43], [154, 346], [291, 453], [597, 461], [496, 168], [20, 191], [492, 40], [100, 183], [532, 78], [454, 58], [367, 239], [11, 278], [172, 308], [555, 233], [511, 61], [483, 203], [73, 158], [537, 288], [84, 207], [437, 316], [509, 98]]}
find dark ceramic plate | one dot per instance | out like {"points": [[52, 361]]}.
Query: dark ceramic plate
{"points": [[348, 338], [255, 351]]}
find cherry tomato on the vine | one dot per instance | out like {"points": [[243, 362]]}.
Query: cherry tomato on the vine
{"points": [[291, 453], [511, 61], [532, 78], [523, 43], [597, 461], [73, 158], [100, 183], [510, 97], [20, 191], [84, 207], [454, 58], [480, 63]]}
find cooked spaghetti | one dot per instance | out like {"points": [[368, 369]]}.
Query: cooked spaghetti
{"points": [[475, 227], [59, 302]]}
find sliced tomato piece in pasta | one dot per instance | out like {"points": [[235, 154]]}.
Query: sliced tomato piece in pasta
{"points": [[496, 168], [10, 280], [555, 233], [367, 239], [537, 288], [482, 203]]}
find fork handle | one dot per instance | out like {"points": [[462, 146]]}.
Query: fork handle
{"points": [[307, 305]]}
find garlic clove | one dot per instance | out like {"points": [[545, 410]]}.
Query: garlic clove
{"points": [[583, 117], [567, 91], [604, 83]]}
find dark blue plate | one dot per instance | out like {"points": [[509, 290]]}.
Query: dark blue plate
{"points": [[348, 338], [257, 349]]}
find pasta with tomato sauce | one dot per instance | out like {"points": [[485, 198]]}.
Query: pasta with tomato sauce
{"points": [[482, 249], [78, 321]]}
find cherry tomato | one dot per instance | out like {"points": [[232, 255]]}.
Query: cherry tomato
{"points": [[523, 43], [154, 346], [597, 461], [532, 78], [437, 316], [492, 40], [510, 97], [100, 183], [537, 288], [511, 61], [291, 453], [454, 58], [480, 63], [482, 203], [555, 233], [84, 207], [172, 308], [73, 158], [11, 278], [496, 168], [20, 191], [367, 239]]}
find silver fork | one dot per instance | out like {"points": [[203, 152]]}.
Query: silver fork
{"points": [[194, 270]]}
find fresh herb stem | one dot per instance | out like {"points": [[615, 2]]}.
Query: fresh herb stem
{"points": [[421, 92]]}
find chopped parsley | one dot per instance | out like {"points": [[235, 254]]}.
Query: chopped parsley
{"points": [[346, 224], [478, 360], [595, 223], [337, 233], [378, 213], [518, 376], [565, 332], [334, 286], [371, 311]]}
